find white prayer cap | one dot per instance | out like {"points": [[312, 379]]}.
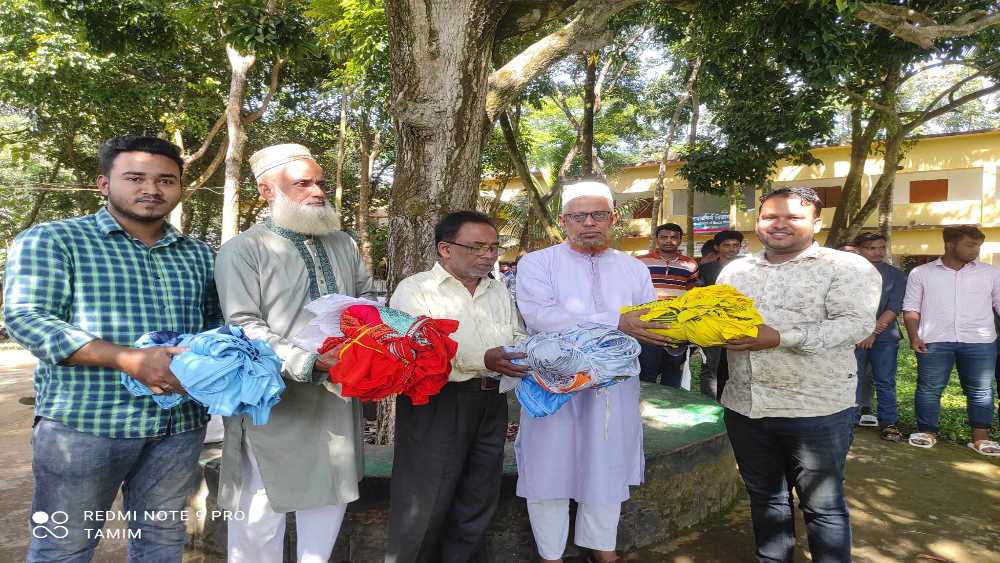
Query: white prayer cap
{"points": [[584, 189], [274, 156]]}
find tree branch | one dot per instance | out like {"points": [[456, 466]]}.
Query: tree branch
{"points": [[949, 62], [587, 31], [868, 101], [954, 103], [526, 16], [603, 74], [219, 123], [272, 89], [561, 102], [950, 93], [915, 27], [220, 155], [551, 230]]}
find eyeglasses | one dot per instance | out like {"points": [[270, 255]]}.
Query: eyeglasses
{"points": [[481, 250], [597, 216]]}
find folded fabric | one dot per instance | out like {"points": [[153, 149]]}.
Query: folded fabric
{"points": [[706, 316], [589, 355], [326, 320], [385, 352], [222, 370]]}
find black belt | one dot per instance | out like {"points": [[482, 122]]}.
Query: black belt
{"points": [[476, 384]]}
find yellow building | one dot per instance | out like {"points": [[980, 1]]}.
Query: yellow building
{"points": [[949, 179]]}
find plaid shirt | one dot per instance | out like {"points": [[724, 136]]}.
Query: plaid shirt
{"points": [[73, 281]]}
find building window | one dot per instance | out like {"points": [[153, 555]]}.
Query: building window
{"points": [[829, 195], [926, 191], [643, 209]]}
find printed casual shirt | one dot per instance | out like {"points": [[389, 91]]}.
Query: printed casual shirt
{"points": [[670, 277], [822, 302], [73, 281], [954, 306]]}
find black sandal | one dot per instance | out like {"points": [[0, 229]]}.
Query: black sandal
{"points": [[891, 434]]}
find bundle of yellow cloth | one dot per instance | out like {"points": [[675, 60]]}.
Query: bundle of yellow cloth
{"points": [[706, 316]]}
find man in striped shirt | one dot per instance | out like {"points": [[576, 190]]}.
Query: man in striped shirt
{"points": [[79, 292], [672, 274]]}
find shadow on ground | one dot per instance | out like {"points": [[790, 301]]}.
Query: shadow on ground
{"points": [[907, 504]]}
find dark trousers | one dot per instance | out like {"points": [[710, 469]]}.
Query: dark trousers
{"points": [[656, 363], [775, 454], [714, 372], [446, 473]]}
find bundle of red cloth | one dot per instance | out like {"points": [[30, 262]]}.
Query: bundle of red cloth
{"points": [[386, 352]]}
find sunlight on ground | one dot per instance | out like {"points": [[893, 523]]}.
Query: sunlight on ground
{"points": [[662, 415], [981, 468]]}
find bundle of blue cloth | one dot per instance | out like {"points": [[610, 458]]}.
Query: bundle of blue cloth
{"points": [[606, 355], [223, 370]]}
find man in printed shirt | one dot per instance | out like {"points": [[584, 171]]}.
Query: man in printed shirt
{"points": [[672, 274], [790, 396], [948, 314], [79, 293], [448, 459]]}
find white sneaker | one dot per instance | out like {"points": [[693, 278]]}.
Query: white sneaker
{"points": [[868, 420]]}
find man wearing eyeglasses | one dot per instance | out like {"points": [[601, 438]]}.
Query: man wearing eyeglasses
{"points": [[448, 459], [590, 450]]}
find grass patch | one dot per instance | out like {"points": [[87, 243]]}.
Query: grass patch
{"points": [[953, 423]]}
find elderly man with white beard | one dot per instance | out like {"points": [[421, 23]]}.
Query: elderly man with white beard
{"points": [[590, 450], [308, 457]]}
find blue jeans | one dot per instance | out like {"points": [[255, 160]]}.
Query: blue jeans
{"points": [[808, 453], [976, 370], [78, 474], [882, 357]]}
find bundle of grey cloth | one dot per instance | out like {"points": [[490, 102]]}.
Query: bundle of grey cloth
{"points": [[602, 354]]}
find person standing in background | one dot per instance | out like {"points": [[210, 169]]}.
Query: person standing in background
{"points": [[715, 370], [672, 274]]}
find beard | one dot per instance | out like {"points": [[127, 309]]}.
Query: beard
{"points": [[304, 219], [591, 243]]}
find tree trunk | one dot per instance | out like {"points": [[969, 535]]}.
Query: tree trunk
{"points": [[237, 137], [589, 87], [385, 422], [367, 153], [525, 240], [440, 56], [661, 173], [893, 154], [885, 219], [850, 199], [539, 206], [338, 195], [692, 138]]}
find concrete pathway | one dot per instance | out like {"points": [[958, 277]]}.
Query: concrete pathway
{"points": [[907, 504]]}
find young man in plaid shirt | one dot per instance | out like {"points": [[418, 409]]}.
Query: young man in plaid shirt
{"points": [[79, 292]]}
